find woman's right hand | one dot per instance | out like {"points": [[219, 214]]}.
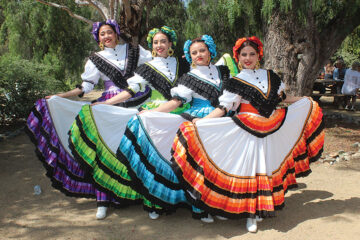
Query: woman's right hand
{"points": [[97, 103], [50, 96]]}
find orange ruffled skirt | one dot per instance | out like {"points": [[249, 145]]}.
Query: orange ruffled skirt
{"points": [[243, 166]]}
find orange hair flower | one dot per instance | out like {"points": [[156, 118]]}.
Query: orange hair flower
{"points": [[241, 41]]}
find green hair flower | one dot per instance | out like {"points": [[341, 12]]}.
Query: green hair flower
{"points": [[168, 31]]}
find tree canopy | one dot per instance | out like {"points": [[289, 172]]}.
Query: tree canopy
{"points": [[46, 35], [350, 48], [299, 36]]}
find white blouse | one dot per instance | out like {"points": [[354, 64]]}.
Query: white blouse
{"points": [[207, 73], [258, 78], [166, 66], [116, 56], [351, 82]]}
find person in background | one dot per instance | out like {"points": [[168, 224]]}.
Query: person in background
{"points": [[351, 86], [319, 86], [338, 75], [329, 70], [339, 71]]}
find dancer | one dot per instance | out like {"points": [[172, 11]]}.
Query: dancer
{"points": [[145, 146], [98, 129], [228, 61], [51, 118], [242, 166]]}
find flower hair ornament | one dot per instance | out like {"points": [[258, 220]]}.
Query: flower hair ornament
{"points": [[97, 26], [208, 40], [168, 31], [241, 41]]}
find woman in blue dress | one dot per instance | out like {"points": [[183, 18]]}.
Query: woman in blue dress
{"points": [[145, 146]]}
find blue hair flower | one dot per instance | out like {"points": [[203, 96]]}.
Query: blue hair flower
{"points": [[187, 50], [208, 40]]}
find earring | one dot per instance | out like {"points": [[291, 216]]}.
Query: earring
{"points": [[209, 60], [257, 66], [101, 45], [117, 41], [153, 53], [193, 65], [240, 66], [170, 52]]}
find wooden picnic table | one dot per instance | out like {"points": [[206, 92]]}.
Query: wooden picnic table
{"points": [[330, 82], [332, 89]]}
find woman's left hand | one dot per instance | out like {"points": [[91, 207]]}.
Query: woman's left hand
{"points": [[292, 99], [145, 111], [195, 120]]}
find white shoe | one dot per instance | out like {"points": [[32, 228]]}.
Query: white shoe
{"points": [[251, 225], [259, 219], [101, 212], [208, 219], [221, 218], [153, 215]]}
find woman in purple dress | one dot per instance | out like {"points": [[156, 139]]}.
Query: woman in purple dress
{"points": [[51, 118]]}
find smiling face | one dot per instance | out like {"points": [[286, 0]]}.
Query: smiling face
{"points": [[107, 36], [199, 53], [161, 44], [248, 57]]}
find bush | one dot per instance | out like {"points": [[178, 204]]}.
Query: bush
{"points": [[22, 82]]}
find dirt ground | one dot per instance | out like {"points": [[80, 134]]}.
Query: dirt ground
{"points": [[325, 206]]}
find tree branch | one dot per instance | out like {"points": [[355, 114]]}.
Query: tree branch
{"points": [[339, 28], [65, 8], [79, 2], [127, 10], [111, 8], [104, 12], [116, 6]]}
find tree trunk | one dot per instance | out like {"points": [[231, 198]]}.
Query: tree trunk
{"points": [[293, 51], [297, 51], [130, 19]]}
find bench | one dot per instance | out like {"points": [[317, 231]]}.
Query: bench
{"points": [[331, 87], [338, 101], [327, 95]]}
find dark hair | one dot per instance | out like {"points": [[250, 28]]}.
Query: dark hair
{"points": [[167, 36], [198, 39], [251, 44]]}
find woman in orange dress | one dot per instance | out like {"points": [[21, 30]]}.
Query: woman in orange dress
{"points": [[242, 166]]}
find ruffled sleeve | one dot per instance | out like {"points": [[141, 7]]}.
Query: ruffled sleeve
{"points": [[230, 101], [182, 92], [281, 88], [90, 77], [137, 83], [144, 56], [220, 62]]}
